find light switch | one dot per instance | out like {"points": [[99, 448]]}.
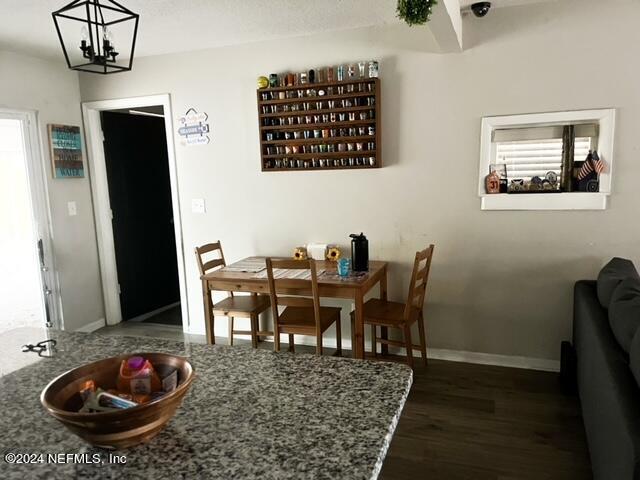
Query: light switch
{"points": [[197, 205], [72, 209]]}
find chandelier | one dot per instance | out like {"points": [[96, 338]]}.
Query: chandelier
{"points": [[92, 34]]}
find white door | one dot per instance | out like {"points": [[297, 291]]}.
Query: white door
{"points": [[27, 282]]}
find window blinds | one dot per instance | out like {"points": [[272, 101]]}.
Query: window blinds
{"points": [[530, 152]]}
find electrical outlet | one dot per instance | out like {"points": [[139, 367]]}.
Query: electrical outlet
{"points": [[72, 209]]}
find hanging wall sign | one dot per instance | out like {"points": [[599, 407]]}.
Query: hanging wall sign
{"points": [[65, 147], [194, 128]]}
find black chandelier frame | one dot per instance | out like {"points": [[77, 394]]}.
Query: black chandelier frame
{"points": [[102, 54]]}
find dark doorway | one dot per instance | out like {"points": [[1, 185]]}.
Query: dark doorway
{"points": [[143, 232]]}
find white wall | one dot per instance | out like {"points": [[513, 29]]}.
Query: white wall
{"points": [[53, 91], [501, 281]]}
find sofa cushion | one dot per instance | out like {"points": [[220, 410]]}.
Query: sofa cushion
{"points": [[624, 312], [608, 392], [611, 275]]}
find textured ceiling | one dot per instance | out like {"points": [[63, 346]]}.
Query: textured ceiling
{"points": [[168, 26]]}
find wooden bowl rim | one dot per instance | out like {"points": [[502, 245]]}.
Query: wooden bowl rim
{"points": [[79, 415]]}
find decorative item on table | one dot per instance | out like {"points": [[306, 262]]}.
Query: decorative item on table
{"points": [[317, 251], [415, 12], [359, 252], [343, 265], [263, 82], [300, 253], [96, 403], [333, 253]]}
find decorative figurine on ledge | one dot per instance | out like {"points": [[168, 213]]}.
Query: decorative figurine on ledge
{"points": [[492, 182], [588, 176]]}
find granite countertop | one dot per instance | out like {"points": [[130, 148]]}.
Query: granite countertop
{"points": [[250, 414]]}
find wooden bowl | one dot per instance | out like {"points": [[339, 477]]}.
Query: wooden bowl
{"points": [[122, 428]]}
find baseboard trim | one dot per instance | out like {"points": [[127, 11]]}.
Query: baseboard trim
{"points": [[527, 363], [93, 326], [144, 316]]}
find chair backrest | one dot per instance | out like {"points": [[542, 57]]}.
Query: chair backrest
{"points": [[213, 264], [293, 301], [419, 278]]}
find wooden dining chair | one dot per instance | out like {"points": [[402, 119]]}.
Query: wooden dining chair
{"points": [[302, 316], [384, 313], [233, 306]]}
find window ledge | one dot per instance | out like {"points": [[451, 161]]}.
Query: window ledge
{"points": [[542, 201]]}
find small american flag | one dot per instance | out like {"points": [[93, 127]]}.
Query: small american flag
{"points": [[598, 164], [593, 163]]}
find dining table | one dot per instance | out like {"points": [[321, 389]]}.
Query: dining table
{"points": [[248, 275]]}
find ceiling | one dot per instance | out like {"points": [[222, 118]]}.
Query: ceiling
{"points": [[169, 26]]}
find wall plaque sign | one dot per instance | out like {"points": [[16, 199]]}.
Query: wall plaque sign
{"points": [[65, 147], [194, 128]]}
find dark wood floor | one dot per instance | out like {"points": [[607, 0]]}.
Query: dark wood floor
{"points": [[464, 421]]}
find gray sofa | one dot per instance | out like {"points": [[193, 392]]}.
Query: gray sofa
{"points": [[607, 350]]}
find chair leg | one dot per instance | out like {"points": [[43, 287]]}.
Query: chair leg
{"points": [[384, 334], [338, 338], [319, 344], [212, 340], [423, 341], [408, 343], [292, 345], [374, 341], [254, 331], [230, 330], [276, 341]]}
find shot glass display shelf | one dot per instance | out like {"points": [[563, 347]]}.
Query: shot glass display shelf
{"points": [[320, 126]]}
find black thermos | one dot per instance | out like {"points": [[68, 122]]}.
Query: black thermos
{"points": [[359, 253]]}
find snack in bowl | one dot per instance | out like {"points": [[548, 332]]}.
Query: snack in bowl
{"points": [[88, 402]]}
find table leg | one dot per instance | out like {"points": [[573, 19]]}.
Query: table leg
{"points": [[384, 348], [257, 322], [358, 336], [208, 306]]}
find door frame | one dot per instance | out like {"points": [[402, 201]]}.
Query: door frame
{"points": [[40, 209], [102, 206]]}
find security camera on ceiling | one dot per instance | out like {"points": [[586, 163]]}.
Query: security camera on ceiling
{"points": [[480, 9]]}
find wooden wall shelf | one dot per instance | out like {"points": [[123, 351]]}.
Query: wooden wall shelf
{"points": [[320, 126]]}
